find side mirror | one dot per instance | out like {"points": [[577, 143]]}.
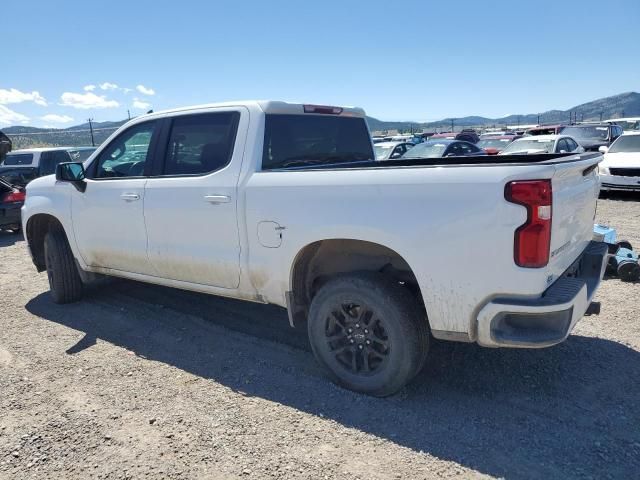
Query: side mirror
{"points": [[395, 155], [563, 151], [603, 149], [450, 155], [72, 172]]}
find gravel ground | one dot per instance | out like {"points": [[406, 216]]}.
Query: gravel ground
{"points": [[139, 381]]}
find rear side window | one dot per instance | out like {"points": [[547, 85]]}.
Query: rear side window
{"points": [[308, 140], [200, 144], [18, 159]]}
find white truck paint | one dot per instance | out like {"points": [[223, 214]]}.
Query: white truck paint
{"points": [[242, 230]]}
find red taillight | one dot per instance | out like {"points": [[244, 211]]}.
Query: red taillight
{"points": [[322, 109], [15, 196], [532, 240]]}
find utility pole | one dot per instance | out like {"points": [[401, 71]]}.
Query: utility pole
{"points": [[128, 114], [93, 143], [538, 119], [452, 125]]}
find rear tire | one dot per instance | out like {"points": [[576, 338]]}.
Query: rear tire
{"points": [[368, 333], [64, 280]]}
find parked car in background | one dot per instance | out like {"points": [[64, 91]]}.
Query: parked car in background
{"points": [[545, 130], [592, 136], [444, 148], [391, 150], [620, 169], [628, 124], [542, 144], [468, 135], [495, 144], [21, 166], [11, 201]]}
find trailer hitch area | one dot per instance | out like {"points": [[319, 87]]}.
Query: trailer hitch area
{"points": [[593, 309]]}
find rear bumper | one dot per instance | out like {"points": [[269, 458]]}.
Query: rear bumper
{"points": [[550, 318]]}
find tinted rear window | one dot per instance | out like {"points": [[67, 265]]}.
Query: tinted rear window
{"points": [[18, 159], [307, 140]]}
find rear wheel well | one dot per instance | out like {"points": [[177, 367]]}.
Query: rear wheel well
{"points": [[322, 260], [37, 228]]}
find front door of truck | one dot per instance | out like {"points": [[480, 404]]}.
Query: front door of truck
{"points": [[108, 217], [191, 202]]}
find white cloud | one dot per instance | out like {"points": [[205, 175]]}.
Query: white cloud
{"points": [[86, 100], [139, 104], [16, 96], [89, 88], [108, 86], [126, 90], [52, 117], [9, 117], [145, 90]]}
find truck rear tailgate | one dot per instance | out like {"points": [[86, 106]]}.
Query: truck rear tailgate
{"points": [[575, 187]]}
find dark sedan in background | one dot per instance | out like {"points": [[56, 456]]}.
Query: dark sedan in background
{"points": [[444, 148], [11, 201]]}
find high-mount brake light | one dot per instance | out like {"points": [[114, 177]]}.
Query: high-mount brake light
{"points": [[324, 109], [532, 239]]}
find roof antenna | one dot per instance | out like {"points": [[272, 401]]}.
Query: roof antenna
{"points": [[150, 111]]}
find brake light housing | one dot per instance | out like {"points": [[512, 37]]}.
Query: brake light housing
{"points": [[15, 196], [532, 239], [323, 109]]}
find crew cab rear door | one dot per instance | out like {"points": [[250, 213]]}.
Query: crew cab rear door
{"points": [[190, 206]]}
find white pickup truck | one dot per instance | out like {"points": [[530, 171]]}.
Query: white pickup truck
{"points": [[284, 203]]}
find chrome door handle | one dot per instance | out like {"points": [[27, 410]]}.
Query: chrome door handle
{"points": [[128, 197], [217, 198]]}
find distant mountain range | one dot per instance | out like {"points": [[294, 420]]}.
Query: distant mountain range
{"points": [[76, 136], [623, 105]]}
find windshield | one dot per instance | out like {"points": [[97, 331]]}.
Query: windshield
{"points": [[382, 152], [530, 144], [626, 143], [587, 132], [18, 159], [426, 150], [499, 143]]}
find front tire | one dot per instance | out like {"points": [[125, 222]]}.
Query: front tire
{"points": [[64, 280], [368, 333]]}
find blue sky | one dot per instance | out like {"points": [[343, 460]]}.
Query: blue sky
{"points": [[410, 60]]}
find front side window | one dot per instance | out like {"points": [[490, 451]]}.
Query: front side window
{"points": [[127, 155], [18, 159], [200, 144], [308, 140]]}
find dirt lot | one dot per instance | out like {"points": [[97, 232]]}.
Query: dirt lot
{"points": [[139, 381]]}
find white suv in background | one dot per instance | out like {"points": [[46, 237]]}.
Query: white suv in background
{"points": [[620, 169]]}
